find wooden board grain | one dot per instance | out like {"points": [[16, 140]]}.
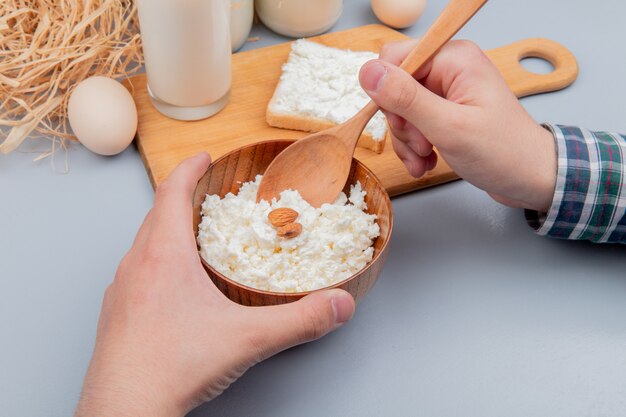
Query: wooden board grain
{"points": [[164, 142]]}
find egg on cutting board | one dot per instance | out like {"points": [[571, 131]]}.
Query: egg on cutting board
{"points": [[102, 115], [398, 14]]}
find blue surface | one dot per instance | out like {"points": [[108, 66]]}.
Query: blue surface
{"points": [[473, 314]]}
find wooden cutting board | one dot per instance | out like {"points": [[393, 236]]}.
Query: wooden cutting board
{"points": [[164, 142]]}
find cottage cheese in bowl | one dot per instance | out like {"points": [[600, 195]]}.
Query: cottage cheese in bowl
{"points": [[237, 239]]}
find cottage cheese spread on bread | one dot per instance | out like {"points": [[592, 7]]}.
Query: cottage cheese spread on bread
{"points": [[236, 238], [319, 88]]}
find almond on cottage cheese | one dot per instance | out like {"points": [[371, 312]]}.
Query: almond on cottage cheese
{"points": [[237, 239]]}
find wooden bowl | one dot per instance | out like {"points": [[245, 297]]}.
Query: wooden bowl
{"points": [[241, 165]]}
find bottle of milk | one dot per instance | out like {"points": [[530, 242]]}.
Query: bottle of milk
{"points": [[299, 18], [187, 52], [241, 17]]}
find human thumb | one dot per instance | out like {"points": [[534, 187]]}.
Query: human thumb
{"points": [[396, 91], [305, 320]]}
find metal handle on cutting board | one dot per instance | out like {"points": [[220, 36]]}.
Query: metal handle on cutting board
{"points": [[523, 82]]}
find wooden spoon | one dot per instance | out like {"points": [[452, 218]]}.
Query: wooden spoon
{"points": [[319, 164]]}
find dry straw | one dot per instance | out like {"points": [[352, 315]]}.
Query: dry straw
{"points": [[46, 48]]}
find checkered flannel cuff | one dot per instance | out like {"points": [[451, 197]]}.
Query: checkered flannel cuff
{"points": [[590, 195]]}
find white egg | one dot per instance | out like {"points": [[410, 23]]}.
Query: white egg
{"points": [[398, 13], [102, 115]]}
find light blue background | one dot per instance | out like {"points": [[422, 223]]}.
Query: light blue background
{"points": [[473, 316]]}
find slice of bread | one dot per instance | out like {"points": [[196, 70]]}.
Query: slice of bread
{"points": [[319, 88]]}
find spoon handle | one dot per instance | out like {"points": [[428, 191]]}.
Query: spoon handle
{"points": [[450, 21]]}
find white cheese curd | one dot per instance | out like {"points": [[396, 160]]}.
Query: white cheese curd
{"points": [[236, 238], [323, 82]]}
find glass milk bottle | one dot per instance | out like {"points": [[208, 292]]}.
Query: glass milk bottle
{"points": [[299, 18], [187, 52], [241, 16]]}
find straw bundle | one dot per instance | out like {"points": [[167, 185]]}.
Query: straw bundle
{"points": [[49, 46]]}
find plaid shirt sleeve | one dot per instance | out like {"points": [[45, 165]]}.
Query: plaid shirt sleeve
{"points": [[590, 197]]}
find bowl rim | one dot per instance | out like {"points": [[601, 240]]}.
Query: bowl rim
{"points": [[300, 294]]}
